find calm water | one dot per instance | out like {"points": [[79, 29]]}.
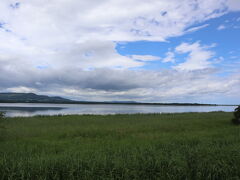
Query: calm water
{"points": [[25, 109]]}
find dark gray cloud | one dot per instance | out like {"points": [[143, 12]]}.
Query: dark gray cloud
{"points": [[111, 84]]}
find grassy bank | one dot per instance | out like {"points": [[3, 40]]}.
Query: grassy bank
{"points": [[150, 146]]}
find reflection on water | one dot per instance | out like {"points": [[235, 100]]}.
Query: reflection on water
{"points": [[29, 109], [26, 109]]}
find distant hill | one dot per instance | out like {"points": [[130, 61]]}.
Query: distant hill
{"points": [[121, 102], [30, 98], [34, 98]]}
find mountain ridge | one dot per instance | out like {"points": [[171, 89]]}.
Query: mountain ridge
{"points": [[9, 97], [31, 98]]}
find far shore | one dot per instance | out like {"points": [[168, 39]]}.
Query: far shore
{"points": [[118, 103]]}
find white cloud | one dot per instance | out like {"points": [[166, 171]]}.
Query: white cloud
{"points": [[193, 29], [56, 22], [169, 57], [221, 27], [93, 54], [233, 5], [198, 57], [58, 34], [21, 89], [84, 33], [145, 57]]}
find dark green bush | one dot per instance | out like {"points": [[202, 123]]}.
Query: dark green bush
{"points": [[236, 119], [2, 115]]}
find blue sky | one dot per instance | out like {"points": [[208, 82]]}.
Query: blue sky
{"points": [[227, 42], [148, 51]]}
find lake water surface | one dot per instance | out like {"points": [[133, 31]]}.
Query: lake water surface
{"points": [[32, 109]]}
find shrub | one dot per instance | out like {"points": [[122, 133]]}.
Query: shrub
{"points": [[236, 119], [2, 115]]}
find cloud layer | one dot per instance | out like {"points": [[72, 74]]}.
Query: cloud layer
{"points": [[68, 48]]}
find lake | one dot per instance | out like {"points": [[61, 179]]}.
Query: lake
{"points": [[32, 109]]}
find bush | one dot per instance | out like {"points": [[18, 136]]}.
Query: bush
{"points": [[236, 119], [2, 115]]}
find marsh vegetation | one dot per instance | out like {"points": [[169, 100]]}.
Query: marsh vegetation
{"points": [[139, 146]]}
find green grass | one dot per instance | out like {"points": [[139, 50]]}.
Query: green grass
{"points": [[141, 146]]}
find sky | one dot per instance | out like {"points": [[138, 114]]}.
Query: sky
{"points": [[122, 50]]}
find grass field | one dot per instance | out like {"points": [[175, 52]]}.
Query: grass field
{"points": [[141, 146]]}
